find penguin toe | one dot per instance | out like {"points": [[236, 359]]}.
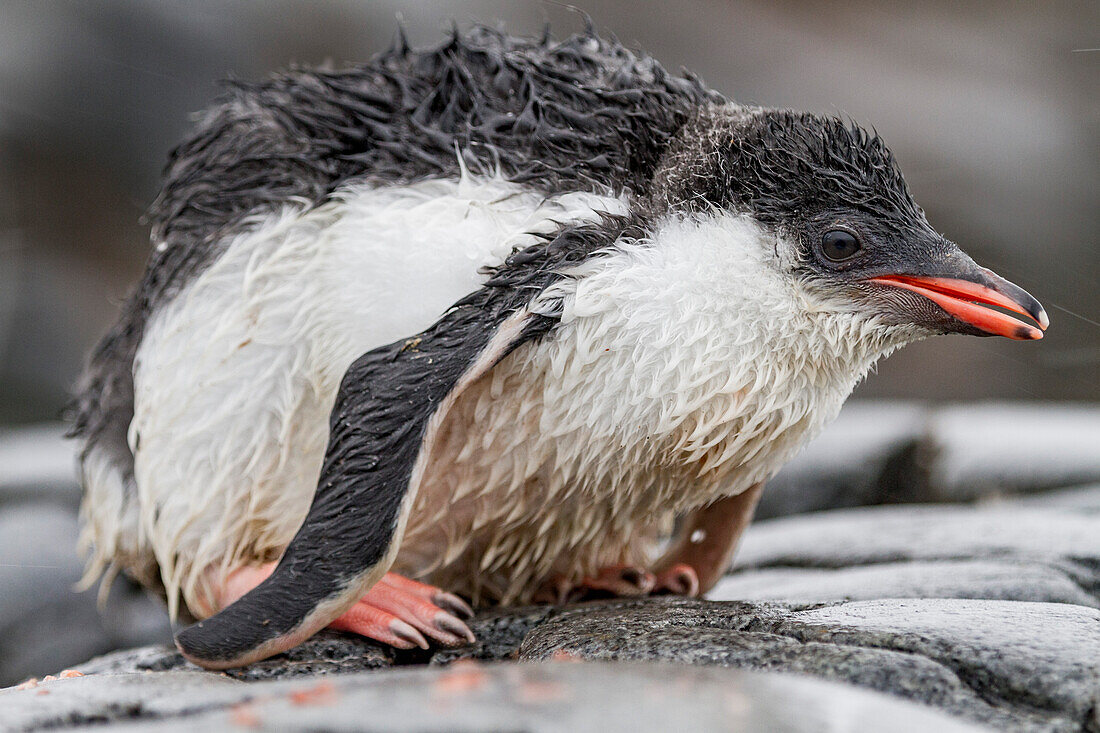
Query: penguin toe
{"points": [[424, 610], [622, 581], [454, 604], [678, 580], [616, 581], [376, 623]]}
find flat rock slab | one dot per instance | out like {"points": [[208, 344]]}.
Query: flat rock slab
{"points": [[1009, 580], [470, 697], [996, 448], [1023, 550], [885, 534], [1009, 665]]}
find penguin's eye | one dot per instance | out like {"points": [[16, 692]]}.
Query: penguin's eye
{"points": [[838, 245]]}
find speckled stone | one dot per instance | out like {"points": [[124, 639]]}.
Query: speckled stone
{"points": [[1011, 665], [472, 697], [326, 653]]}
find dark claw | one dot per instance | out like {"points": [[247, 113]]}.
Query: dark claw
{"points": [[451, 625], [406, 632], [454, 604]]}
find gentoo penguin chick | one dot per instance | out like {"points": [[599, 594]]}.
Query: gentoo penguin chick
{"points": [[480, 322]]}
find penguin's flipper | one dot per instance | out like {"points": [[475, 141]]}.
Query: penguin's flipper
{"points": [[388, 408]]}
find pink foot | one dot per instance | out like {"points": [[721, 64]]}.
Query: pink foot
{"points": [[396, 611], [402, 612], [622, 581], [677, 580]]}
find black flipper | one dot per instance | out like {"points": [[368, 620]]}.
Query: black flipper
{"points": [[387, 407]]}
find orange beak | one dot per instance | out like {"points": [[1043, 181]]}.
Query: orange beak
{"points": [[973, 303]]}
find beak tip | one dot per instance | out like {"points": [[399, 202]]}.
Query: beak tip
{"points": [[966, 301]]}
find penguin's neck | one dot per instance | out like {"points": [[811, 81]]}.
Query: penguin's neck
{"points": [[697, 347]]}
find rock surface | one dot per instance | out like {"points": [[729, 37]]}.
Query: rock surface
{"points": [[1013, 551], [988, 612], [472, 697], [1009, 665], [999, 448], [886, 452]]}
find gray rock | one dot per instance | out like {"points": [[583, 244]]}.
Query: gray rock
{"points": [[326, 653], [1012, 551], [863, 457], [887, 452], [1080, 499], [1042, 655], [471, 697], [998, 448], [1012, 580], [1011, 665], [869, 535]]}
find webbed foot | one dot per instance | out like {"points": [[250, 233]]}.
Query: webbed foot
{"points": [[396, 610], [623, 581]]}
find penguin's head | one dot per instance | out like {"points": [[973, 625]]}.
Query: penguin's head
{"points": [[841, 220]]}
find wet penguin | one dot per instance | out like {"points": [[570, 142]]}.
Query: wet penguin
{"points": [[478, 323]]}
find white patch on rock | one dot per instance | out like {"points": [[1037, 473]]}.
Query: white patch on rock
{"points": [[995, 448]]}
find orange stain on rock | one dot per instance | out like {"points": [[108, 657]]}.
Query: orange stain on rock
{"points": [[244, 716], [323, 693], [462, 676], [542, 692]]}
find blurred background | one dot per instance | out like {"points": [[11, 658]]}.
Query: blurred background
{"points": [[991, 107]]}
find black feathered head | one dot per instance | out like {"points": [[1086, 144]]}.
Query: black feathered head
{"points": [[834, 195]]}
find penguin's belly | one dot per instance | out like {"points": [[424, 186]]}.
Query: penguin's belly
{"points": [[235, 378], [535, 474], [513, 496]]}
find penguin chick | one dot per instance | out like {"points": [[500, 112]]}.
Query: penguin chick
{"points": [[480, 321]]}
